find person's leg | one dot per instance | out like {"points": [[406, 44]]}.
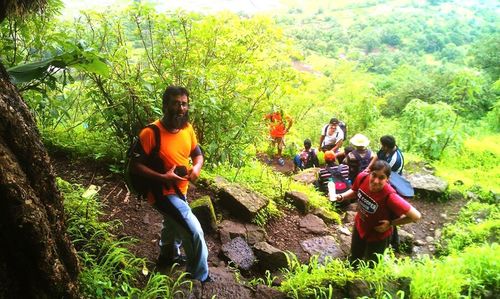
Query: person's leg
{"points": [[372, 249], [357, 248], [281, 144], [188, 228], [170, 244], [296, 162]]}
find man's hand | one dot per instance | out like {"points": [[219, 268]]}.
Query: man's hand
{"points": [[383, 226], [194, 173], [171, 176]]}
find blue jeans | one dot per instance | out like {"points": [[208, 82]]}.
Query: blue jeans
{"points": [[179, 223]]}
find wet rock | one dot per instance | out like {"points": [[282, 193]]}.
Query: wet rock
{"points": [[420, 242], [313, 224], [344, 230], [429, 239], [239, 252], [349, 217], [298, 200], [323, 247], [270, 257]]}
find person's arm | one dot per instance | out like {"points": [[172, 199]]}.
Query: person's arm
{"points": [[340, 139], [198, 160], [290, 122], [348, 195], [372, 160], [321, 138], [141, 169], [413, 215], [337, 145]]}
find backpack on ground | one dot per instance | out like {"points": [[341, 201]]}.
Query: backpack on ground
{"points": [[334, 175], [138, 184], [401, 185]]}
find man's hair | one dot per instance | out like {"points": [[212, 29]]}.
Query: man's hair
{"points": [[382, 165], [307, 143], [334, 121], [388, 141], [172, 92]]}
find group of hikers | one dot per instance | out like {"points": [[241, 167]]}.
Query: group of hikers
{"points": [[358, 174], [168, 157]]}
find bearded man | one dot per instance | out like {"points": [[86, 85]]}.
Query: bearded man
{"points": [[178, 144]]}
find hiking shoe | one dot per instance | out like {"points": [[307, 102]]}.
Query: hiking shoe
{"points": [[165, 262], [269, 161], [281, 161]]}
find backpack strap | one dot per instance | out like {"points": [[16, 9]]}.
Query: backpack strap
{"points": [[156, 133]]}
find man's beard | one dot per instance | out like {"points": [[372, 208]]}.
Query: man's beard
{"points": [[173, 121]]}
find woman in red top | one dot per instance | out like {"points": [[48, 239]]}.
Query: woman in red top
{"points": [[379, 209]]}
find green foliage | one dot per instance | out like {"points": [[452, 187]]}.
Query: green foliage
{"points": [[469, 273], [486, 56], [430, 128], [477, 163], [478, 223], [109, 269], [273, 185]]}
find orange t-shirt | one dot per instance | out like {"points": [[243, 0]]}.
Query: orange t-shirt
{"points": [[175, 149], [277, 127]]}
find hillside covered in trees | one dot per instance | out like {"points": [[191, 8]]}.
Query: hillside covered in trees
{"points": [[427, 72]]}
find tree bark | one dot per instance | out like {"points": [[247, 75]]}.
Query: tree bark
{"points": [[37, 259]]}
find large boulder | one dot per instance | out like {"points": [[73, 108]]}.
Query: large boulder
{"points": [[427, 185], [239, 252], [323, 247], [298, 199], [313, 224], [238, 200], [308, 176], [229, 230], [270, 257]]}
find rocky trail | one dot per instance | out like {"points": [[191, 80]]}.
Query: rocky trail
{"points": [[301, 233]]}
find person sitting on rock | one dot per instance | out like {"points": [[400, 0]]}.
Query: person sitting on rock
{"points": [[307, 158]]}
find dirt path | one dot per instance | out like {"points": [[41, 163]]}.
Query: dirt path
{"points": [[141, 222]]}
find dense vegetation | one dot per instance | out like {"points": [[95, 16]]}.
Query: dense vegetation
{"points": [[427, 72]]}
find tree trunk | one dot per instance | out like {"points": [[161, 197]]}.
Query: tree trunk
{"points": [[37, 259]]}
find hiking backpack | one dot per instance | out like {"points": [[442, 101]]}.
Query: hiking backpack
{"points": [[342, 126], [333, 174], [138, 184], [358, 165]]}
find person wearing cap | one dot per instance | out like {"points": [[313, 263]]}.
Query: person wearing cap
{"points": [[380, 210], [279, 125], [332, 136], [307, 158], [361, 158]]}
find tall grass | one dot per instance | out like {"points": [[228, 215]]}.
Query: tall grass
{"points": [[109, 269]]}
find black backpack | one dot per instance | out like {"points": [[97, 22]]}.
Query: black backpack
{"points": [[138, 184], [358, 165]]}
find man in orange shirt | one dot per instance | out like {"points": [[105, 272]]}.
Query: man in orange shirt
{"points": [[178, 144], [279, 125]]}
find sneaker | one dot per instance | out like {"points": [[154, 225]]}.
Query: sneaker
{"points": [[281, 161], [269, 161]]}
